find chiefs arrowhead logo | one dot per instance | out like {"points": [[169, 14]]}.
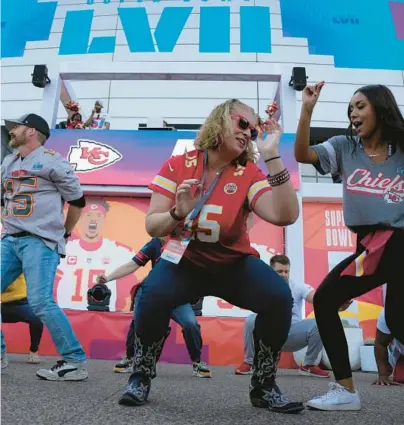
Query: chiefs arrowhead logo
{"points": [[89, 155]]}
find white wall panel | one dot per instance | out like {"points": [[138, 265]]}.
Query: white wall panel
{"points": [[11, 109], [183, 89], [91, 89], [183, 53], [26, 91], [130, 102], [16, 74], [167, 107]]}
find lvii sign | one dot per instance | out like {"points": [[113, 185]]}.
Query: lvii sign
{"points": [[34, 22]]}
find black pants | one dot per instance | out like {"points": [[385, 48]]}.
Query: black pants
{"points": [[15, 312], [336, 290]]}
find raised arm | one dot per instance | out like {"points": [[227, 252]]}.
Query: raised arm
{"points": [[303, 152]]}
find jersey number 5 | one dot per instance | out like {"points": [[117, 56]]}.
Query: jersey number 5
{"points": [[207, 230], [22, 203]]}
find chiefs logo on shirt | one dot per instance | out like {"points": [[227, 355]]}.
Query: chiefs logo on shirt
{"points": [[71, 260]]}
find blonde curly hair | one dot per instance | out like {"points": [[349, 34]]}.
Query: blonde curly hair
{"points": [[218, 126]]}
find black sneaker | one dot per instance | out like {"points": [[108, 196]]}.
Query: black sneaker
{"points": [[270, 397], [200, 369], [136, 392], [63, 371]]}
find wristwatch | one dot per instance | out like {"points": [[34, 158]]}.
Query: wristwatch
{"points": [[175, 216], [67, 235]]}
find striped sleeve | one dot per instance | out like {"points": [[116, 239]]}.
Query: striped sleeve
{"points": [[150, 251], [329, 155], [259, 185], [165, 181]]}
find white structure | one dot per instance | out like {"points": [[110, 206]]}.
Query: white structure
{"points": [[129, 103]]}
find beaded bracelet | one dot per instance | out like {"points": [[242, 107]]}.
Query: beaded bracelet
{"points": [[279, 178]]}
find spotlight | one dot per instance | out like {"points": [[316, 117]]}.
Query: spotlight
{"points": [[40, 76], [298, 80]]}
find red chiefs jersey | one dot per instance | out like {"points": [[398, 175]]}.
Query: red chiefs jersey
{"points": [[220, 229]]}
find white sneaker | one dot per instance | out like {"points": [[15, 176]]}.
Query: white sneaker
{"points": [[337, 398], [63, 371], [33, 358], [4, 360]]}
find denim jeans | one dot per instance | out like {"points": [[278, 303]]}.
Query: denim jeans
{"points": [[14, 312], [184, 315], [29, 255], [248, 283]]}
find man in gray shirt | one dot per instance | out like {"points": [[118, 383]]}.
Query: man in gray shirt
{"points": [[36, 183], [303, 333]]}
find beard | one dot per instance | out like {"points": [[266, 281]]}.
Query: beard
{"points": [[16, 142]]}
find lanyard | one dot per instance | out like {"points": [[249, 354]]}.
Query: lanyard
{"points": [[205, 196]]}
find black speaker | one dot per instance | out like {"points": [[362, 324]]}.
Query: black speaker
{"points": [[40, 76], [298, 79]]}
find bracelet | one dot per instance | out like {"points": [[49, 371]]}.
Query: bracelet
{"points": [[279, 178], [271, 159], [67, 235], [175, 216]]}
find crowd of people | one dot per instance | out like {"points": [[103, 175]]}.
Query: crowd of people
{"points": [[96, 120], [194, 257]]}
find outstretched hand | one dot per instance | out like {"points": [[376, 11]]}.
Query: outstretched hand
{"points": [[311, 94]]}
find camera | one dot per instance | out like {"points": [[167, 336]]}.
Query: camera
{"points": [[98, 298]]}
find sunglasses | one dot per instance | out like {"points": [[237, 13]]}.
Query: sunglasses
{"points": [[243, 124]]}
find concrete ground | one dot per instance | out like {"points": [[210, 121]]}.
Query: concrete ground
{"points": [[177, 398]]}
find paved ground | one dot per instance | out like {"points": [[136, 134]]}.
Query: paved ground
{"points": [[177, 398]]}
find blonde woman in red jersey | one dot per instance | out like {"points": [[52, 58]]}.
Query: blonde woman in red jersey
{"points": [[203, 199]]}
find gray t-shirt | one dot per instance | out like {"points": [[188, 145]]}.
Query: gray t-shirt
{"points": [[373, 194], [34, 189], [299, 294]]}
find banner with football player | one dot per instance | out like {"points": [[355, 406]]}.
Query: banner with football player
{"points": [[326, 243], [109, 233], [133, 157]]}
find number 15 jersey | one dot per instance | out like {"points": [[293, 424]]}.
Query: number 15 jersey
{"points": [[220, 229]]}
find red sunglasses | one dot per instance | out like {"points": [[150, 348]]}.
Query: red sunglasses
{"points": [[243, 124]]}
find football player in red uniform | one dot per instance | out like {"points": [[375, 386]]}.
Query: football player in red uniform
{"points": [[202, 199]]}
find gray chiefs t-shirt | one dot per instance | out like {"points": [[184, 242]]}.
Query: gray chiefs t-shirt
{"points": [[373, 194], [34, 189]]}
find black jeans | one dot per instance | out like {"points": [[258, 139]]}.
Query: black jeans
{"points": [[15, 312], [247, 283], [335, 290]]}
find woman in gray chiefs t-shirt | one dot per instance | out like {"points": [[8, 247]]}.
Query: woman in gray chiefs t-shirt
{"points": [[370, 166]]}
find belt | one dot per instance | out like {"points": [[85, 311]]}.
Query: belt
{"points": [[21, 234]]}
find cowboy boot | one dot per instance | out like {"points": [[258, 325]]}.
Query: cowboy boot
{"points": [[158, 354], [264, 392], [144, 370]]}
